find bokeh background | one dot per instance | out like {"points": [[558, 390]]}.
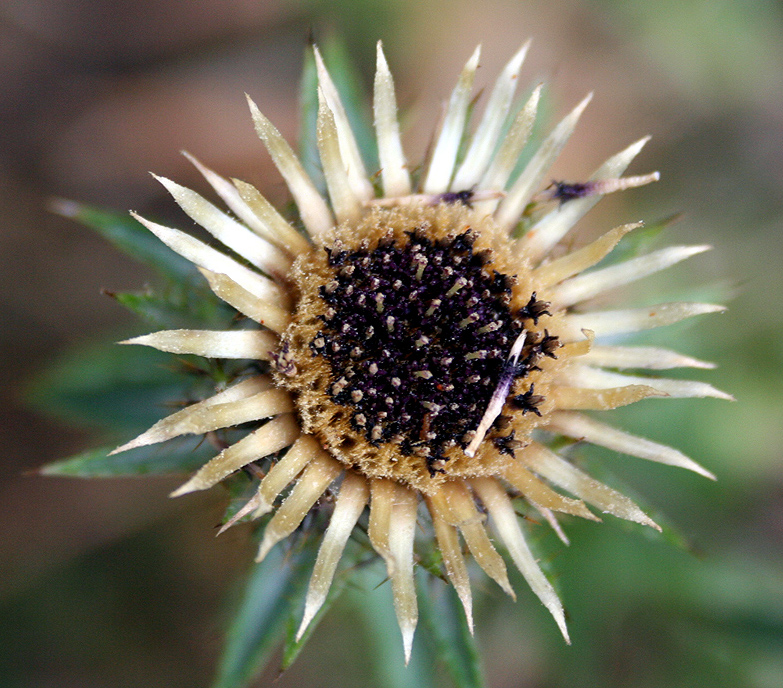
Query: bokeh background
{"points": [[109, 583]]}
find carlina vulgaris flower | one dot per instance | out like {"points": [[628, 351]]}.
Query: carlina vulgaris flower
{"points": [[413, 346]]}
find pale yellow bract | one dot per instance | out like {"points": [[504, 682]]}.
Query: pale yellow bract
{"points": [[292, 407]]}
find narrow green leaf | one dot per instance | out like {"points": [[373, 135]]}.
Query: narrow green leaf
{"points": [[172, 310], [639, 241], [292, 648], [241, 487], [130, 237], [467, 136], [176, 456], [670, 532], [308, 118], [106, 385], [543, 123], [347, 79], [444, 622], [372, 601], [152, 308], [274, 591]]}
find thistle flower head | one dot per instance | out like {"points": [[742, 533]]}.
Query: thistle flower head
{"points": [[416, 338]]}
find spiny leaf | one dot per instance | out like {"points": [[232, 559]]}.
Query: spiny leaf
{"points": [[444, 622], [372, 602], [241, 487], [130, 237], [172, 311], [669, 531], [348, 82], [176, 456], [292, 647], [308, 106], [639, 241], [125, 388], [275, 589]]}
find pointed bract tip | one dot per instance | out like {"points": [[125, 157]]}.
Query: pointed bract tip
{"points": [[252, 104], [685, 252], [190, 486], [127, 446], [645, 520], [264, 548], [469, 619], [636, 147], [381, 64], [246, 509], [407, 643], [319, 61], [224, 528], [306, 619], [519, 55], [191, 159], [718, 394], [704, 472]]}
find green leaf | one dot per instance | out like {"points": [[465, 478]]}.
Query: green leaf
{"points": [[670, 532], [273, 593], [308, 132], [172, 310], [465, 141], [443, 620], [543, 124], [348, 82], [126, 388], [292, 647], [241, 487], [347, 79], [132, 238], [176, 456], [372, 602], [639, 241]]}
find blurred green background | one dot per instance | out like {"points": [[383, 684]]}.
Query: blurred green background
{"points": [[108, 583]]}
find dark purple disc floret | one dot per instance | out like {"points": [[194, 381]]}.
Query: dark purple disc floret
{"points": [[417, 335]]}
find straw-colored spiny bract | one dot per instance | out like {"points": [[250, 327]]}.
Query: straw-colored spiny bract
{"points": [[409, 347]]}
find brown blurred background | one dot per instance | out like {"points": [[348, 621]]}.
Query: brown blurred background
{"points": [[108, 583]]}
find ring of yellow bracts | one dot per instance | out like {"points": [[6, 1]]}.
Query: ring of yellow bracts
{"points": [[259, 288]]}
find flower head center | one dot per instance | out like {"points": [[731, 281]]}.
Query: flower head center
{"points": [[410, 328], [417, 333]]}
